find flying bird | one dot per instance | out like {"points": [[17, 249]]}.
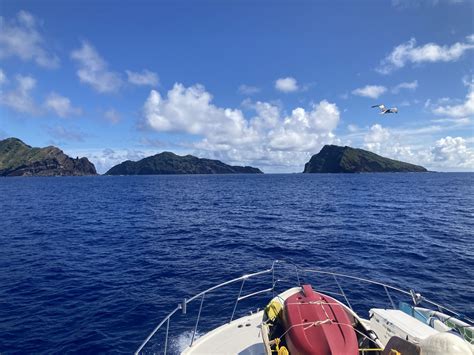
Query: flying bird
{"points": [[384, 110]]}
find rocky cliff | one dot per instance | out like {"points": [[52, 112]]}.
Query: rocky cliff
{"points": [[19, 159]]}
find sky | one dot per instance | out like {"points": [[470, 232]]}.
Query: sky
{"points": [[261, 83]]}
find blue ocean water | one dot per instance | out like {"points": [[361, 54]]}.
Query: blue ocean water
{"points": [[91, 264]]}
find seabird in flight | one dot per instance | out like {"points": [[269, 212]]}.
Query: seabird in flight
{"points": [[384, 110]]}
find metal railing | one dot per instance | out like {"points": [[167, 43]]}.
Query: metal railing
{"points": [[183, 306], [416, 298]]}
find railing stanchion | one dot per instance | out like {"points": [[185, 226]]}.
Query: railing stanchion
{"points": [[297, 275], [342, 292], [182, 306], [273, 280], [167, 332], [237, 300], [197, 320], [389, 297]]}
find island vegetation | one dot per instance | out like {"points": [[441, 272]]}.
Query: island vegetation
{"points": [[20, 159], [170, 163], [337, 159]]}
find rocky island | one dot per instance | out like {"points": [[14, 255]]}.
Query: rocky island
{"points": [[337, 159], [19, 159], [170, 163]]}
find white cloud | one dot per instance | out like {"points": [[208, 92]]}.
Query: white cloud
{"points": [[61, 105], [352, 128], [269, 138], [146, 77], [406, 85], [20, 37], [464, 109], [248, 89], [396, 144], [371, 91], [112, 116], [408, 52], [60, 132], [104, 159], [405, 4], [3, 78], [453, 152], [93, 70], [286, 85], [376, 137], [20, 99], [457, 122]]}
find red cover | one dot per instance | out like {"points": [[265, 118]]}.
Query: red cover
{"points": [[309, 306]]}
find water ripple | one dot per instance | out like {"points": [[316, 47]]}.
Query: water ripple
{"points": [[91, 264]]}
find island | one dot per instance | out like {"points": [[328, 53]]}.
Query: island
{"points": [[337, 159], [20, 159], [170, 163]]}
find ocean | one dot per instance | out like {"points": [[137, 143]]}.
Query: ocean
{"points": [[92, 264]]}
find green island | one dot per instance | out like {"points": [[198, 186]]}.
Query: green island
{"points": [[170, 163], [337, 159], [20, 159]]}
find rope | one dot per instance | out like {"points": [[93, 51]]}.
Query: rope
{"points": [[308, 325]]}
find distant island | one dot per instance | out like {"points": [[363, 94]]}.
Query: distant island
{"points": [[170, 163], [337, 159], [19, 159]]}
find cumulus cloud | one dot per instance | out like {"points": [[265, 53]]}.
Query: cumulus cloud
{"points": [[93, 70], [20, 99], [406, 85], [286, 85], [371, 91], [461, 110], [104, 159], [145, 78], [190, 110], [61, 105], [375, 137], [270, 136], [248, 90], [409, 52], [404, 144], [21, 37], [112, 116], [398, 143], [453, 152]]}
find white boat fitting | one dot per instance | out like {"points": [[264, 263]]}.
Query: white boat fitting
{"points": [[303, 320]]}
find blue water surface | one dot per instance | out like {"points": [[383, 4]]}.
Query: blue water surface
{"points": [[91, 264]]}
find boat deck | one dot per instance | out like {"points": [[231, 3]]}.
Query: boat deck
{"points": [[241, 336]]}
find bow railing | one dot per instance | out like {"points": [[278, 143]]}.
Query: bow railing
{"points": [[393, 293]]}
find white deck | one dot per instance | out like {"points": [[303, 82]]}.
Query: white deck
{"points": [[241, 336], [389, 322]]}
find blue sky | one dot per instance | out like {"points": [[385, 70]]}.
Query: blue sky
{"points": [[263, 83]]}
